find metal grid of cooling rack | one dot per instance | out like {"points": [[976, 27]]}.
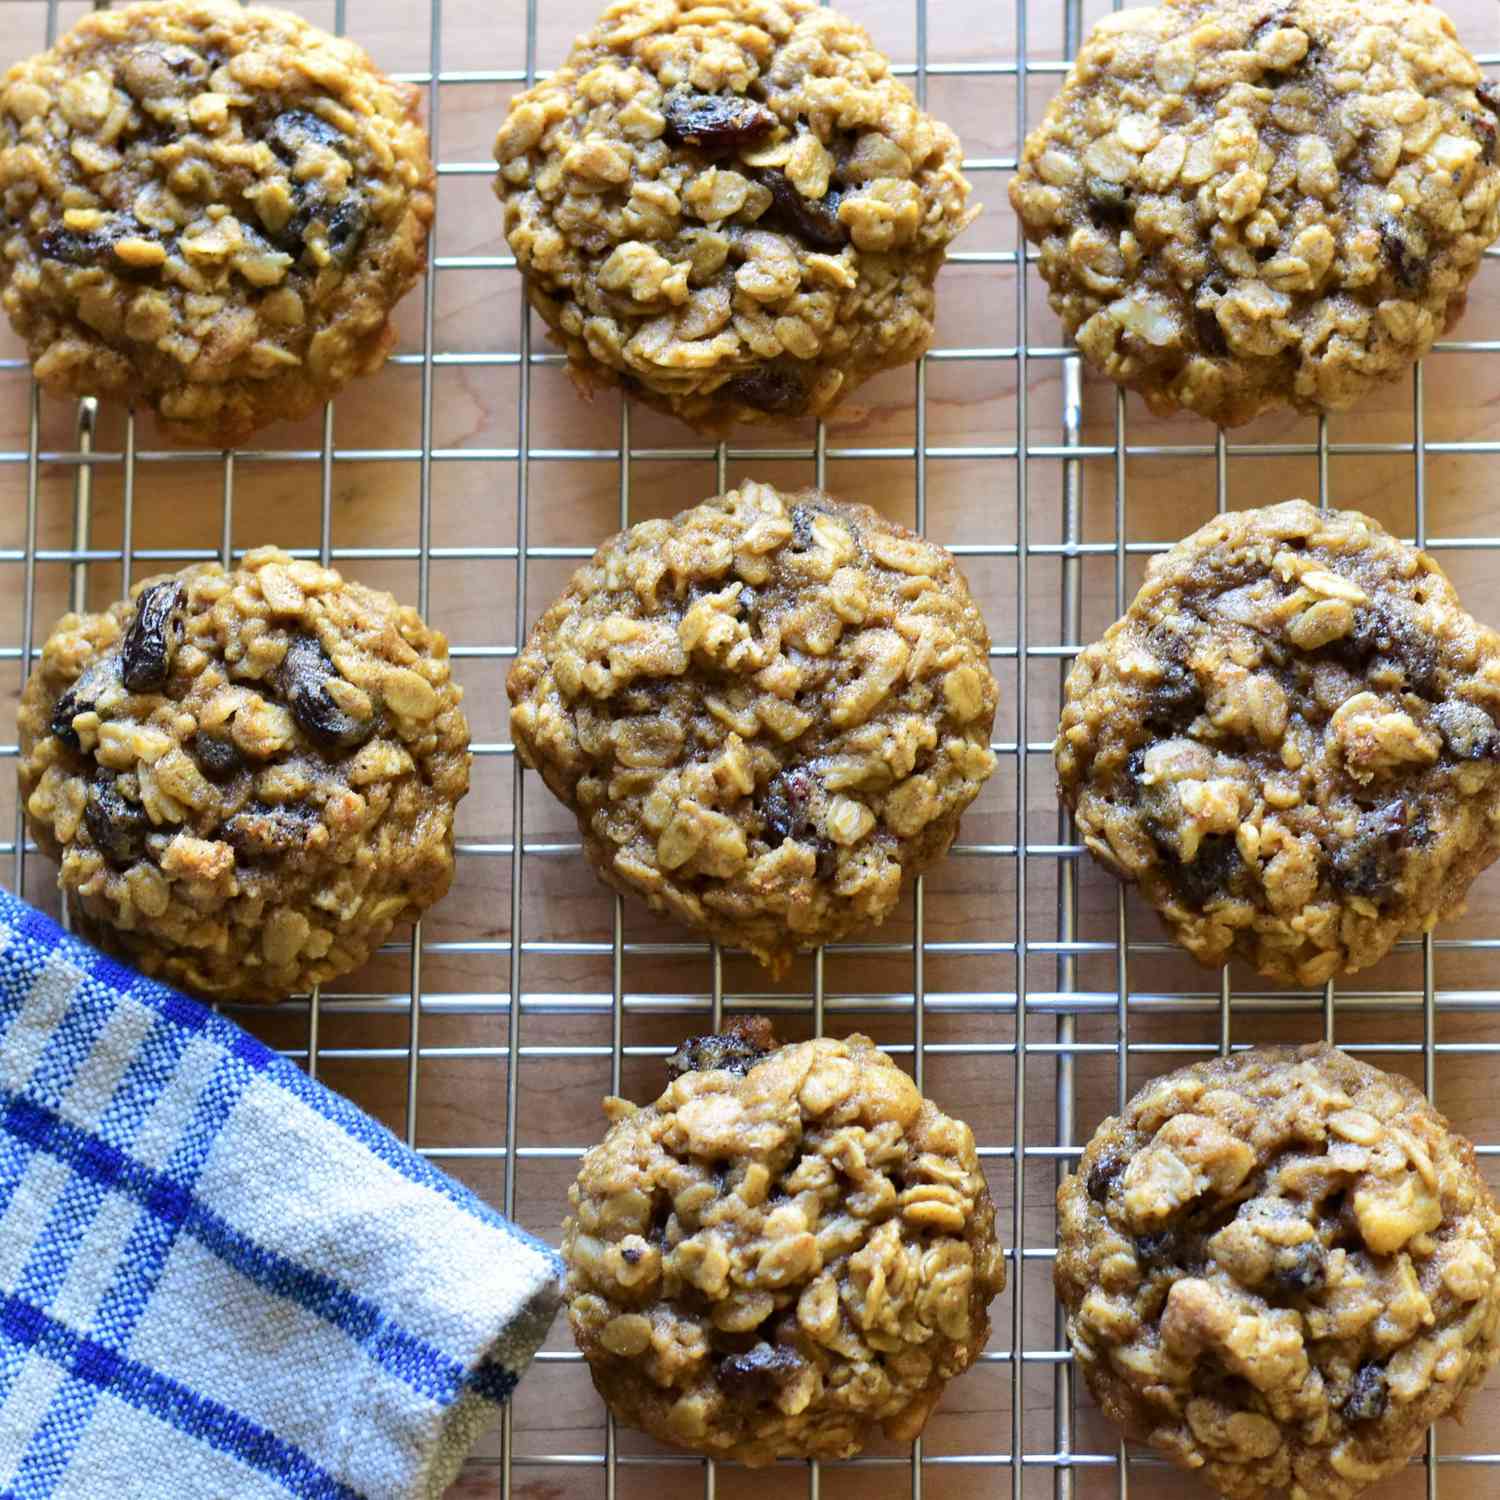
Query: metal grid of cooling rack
{"points": [[1055, 1458]]}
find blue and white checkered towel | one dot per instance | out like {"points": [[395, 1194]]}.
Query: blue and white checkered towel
{"points": [[218, 1280]]}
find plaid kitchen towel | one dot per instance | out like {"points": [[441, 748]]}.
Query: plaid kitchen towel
{"points": [[218, 1280]]}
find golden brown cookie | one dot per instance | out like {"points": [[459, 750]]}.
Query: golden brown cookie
{"points": [[1289, 742], [733, 212], [1247, 204], [1279, 1268], [208, 210], [765, 713], [787, 1250], [249, 778]]}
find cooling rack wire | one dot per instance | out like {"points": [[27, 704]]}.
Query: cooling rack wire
{"points": [[1029, 1039]]}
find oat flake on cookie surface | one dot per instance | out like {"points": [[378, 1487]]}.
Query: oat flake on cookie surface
{"points": [[1247, 204], [731, 210], [1279, 1267], [249, 777], [1289, 742], [787, 1250], [764, 713], [208, 210]]}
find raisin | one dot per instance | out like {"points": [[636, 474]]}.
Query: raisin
{"points": [[62, 718], [1206, 878], [1158, 1250], [1381, 632], [1406, 265], [1369, 864], [774, 389], [1366, 1401], [1467, 730], [344, 225], [1109, 204], [785, 809], [1104, 1174], [1487, 91], [742, 1044], [1211, 338], [1299, 1271], [814, 221], [117, 827], [759, 1374], [72, 248], [288, 133], [80, 697], [715, 122], [1175, 701], [269, 829], [303, 679], [346, 228], [827, 860], [93, 248], [153, 637], [802, 523], [292, 235], [218, 756]]}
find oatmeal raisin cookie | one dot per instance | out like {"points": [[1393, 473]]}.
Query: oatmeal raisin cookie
{"points": [[209, 210], [1289, 742], [734, 212], [248, 777], [1244, 204], [1279, 1268], [764, 713], [789, 1248]]}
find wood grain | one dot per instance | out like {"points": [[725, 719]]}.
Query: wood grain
{"points": [[974, 493]]}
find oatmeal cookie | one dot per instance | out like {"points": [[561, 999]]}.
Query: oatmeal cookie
{"points": [[734, 212], [764, 713], [1279, 1269], [789, 1248], [208, 210], [1245, 204], [248, 777], [1289, 742]]}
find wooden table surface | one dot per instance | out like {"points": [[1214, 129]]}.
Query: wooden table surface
{"points": [[976, 909]]}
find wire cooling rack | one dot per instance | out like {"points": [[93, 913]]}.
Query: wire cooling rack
{"points": [[1020, 986]]}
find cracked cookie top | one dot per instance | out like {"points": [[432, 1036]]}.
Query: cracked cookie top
{"points": [[789, 1248], [1289, 742], [210, 210], [248, 777], [733, 211], [1279, 1268], [1244, 204], [763, 712]]}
